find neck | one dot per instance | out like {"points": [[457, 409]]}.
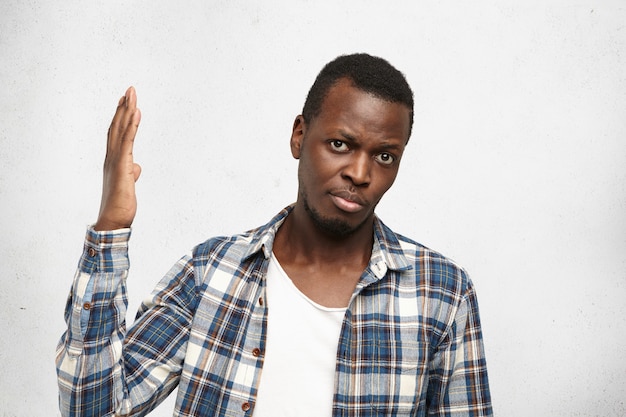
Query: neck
{"points": [[300, 238]]}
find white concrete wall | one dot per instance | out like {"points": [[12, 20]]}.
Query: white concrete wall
{"points": [[516, 168]]}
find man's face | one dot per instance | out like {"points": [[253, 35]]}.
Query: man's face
{"points": [[349, 157]]}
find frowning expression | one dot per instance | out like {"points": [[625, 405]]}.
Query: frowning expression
{"points": [[349, 156]]}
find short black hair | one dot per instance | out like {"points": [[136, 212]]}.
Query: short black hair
{"points": [[368, 73]]}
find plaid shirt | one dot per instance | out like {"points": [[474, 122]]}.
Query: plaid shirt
{"points": [[410, 343]]}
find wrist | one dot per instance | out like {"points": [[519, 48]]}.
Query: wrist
{"points": [[104, 226]]}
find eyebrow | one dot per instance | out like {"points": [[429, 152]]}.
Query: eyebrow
{"points": [[391, 146], [348, 136], [387, 145]]}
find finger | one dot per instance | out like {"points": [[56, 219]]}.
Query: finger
{"points": [[136, 171], [131, 96], [113, 133], [128, 138], [130, 106]]}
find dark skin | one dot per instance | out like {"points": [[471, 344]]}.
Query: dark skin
{"points": [[349, 157], [118, 205]]}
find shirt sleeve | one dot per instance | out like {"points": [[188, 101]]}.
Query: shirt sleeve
{"points": [[102, 369], [458, 382]]}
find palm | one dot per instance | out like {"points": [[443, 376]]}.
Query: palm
{"points": [[119, 202]]}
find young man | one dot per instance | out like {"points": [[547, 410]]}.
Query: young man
{"points": [[324, 311]]}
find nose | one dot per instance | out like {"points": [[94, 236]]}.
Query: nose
{"points": [[358, 169]]}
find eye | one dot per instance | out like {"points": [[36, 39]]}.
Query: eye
{"points": [[385, 158], [338, 145]]}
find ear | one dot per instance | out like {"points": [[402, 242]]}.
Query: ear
{"points": [[297, 136]]}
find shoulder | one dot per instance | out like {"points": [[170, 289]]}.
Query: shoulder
{"points": [[235, 253], [427, 268], [222, 258], [440, 286], [221, 247]]}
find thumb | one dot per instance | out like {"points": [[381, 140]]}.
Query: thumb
{"points": [[136, 171]]}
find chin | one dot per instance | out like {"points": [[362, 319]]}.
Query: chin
{"points": [[331, 226]]}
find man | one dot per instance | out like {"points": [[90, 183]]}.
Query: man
{"points": [[323, 311]]}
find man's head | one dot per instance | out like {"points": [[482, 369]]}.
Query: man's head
{"points": [[349, 142], [370, 74]]}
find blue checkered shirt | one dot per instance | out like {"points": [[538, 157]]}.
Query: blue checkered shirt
{"points": [[410, 342]]}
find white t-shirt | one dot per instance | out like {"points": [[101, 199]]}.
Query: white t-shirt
{"points": [[301, 351]]}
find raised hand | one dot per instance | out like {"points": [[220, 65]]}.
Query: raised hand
{"points": [[119, 201]]}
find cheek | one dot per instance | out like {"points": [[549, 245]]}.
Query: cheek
{"points": [[309, 174], [392, 179], [317, 165], [386, 180]]}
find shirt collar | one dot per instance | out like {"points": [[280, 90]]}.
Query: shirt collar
{"points": [[387, 252], [262, 238]]}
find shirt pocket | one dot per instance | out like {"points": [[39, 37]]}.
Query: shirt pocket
{"points": [[396, 381]]}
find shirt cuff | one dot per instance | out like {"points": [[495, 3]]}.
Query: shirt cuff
{"points": [[105, 251]]}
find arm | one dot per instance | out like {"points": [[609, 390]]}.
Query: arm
{"points": [[101, 369], [458, 383]]}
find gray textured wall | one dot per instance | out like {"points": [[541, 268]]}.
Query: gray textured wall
{"points": [[516, 168]]}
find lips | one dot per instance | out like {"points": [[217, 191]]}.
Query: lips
{"points": [[348, 201]]}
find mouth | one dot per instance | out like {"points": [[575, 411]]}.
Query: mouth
{"points": [[347, 201]]}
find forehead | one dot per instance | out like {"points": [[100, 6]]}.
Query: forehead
{"points": [[346, 106]]}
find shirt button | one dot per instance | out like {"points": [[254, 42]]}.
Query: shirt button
{"points": [[92, 253], [87, 306], [256, 352], [245, 406], [261, 300]]}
